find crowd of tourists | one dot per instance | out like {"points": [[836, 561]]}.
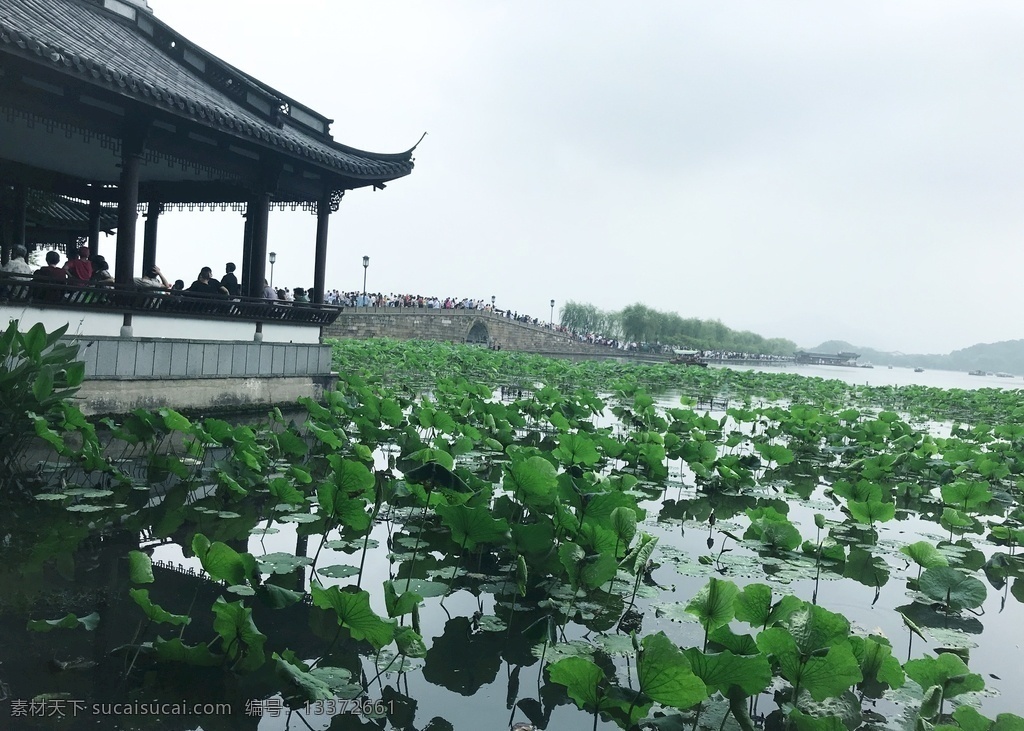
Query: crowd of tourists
{"points": [[83, 268]]}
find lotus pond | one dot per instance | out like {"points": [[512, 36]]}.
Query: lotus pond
{"points": [[463, 539]]}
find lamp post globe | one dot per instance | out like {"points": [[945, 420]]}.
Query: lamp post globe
{"points": [[366, 265], [273, 258]]}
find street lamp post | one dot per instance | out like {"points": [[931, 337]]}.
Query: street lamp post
{"points": [[552, 320], [273, 258], [366, 265]]}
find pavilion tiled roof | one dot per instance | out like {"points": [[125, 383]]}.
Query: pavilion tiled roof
{"points": [[81, 38]]}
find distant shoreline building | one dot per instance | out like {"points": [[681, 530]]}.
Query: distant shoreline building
{"points": [[804, 357]]}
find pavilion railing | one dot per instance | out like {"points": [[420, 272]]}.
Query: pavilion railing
{"points": [[21, 290]]}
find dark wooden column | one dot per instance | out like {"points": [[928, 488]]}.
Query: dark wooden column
{"points": [[323, 213], [153, 212], [247, 251], [127, 206], [94, 225], [5, 227], [18, 214], [259, 212]]}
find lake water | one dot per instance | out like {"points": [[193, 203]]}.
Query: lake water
{"points": [[475, 679], [884, 376]]}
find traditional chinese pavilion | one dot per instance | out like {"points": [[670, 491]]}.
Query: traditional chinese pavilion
{"points": [[104, 105], [107, 113]]}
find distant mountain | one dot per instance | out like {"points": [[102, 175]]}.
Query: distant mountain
{"points": [[1006, 356]]}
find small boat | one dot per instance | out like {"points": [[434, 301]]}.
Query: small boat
{"points": [[919, 370], [1004, 375], [976, 372]]}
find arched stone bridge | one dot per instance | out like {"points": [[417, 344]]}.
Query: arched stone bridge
{"points": [[457, 326]]}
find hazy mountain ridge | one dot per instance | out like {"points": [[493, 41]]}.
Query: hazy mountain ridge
{"points": [[1005, 356]]}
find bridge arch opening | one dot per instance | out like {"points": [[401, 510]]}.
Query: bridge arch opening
{"points": [[478, 334]]}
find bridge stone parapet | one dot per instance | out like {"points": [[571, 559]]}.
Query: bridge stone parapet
{"points": [[457, 326]]}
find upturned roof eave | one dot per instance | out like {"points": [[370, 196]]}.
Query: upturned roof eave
{"points": [[264, 133]]}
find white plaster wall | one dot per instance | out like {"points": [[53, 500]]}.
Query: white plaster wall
{"points": [[108, 324]]}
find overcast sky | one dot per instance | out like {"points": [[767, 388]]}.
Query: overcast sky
{"points": [[805, 170]]}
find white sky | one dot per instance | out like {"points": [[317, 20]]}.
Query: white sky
{"points": [[808, 170]]}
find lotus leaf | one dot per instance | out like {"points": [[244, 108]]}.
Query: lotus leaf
{"points": [[354, 612], [924, 554], [665, 675], [140, 568], [720, 671], [174, 650], [243, 642], [952, 587], [714, 605], [155, 612], [68, 621], [946, 671], [473, 526], [282, 563]]}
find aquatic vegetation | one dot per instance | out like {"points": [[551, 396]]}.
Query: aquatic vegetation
{"points": [[441, 531]]}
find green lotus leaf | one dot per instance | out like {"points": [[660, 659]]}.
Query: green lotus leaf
{"points": [[967, 719], [665, 675], [222, 562], [872, 511], [473, 526], [155, 612], [68, 621], [806, 722], [531, 480], [80, 508], [583, 681], [174, 650], [338, 571], [965, 494], [952, 587], [775, 453], [1006, 722], [354, 612], [409, 642], [924, 554], [734, 643], [714, 604], [399, 604], [877, 662], [277, 597], [242, 640], [722, 670], [301, 682], [281, 563], [586, 570], [946, 671], [576, 449], [822, 676], [754, 606], [140, 568]]}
